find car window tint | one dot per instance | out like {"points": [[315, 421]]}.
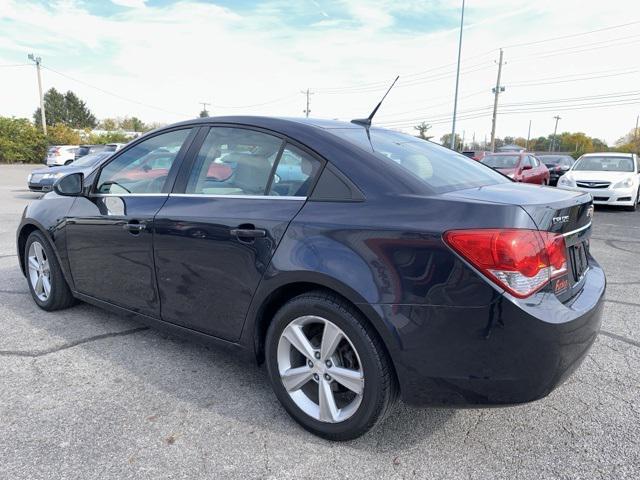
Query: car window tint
{"points": [[143, 168], [501, 161], [534, 161], [295, 173], [439, 168], [234, 161], [526, 161]]}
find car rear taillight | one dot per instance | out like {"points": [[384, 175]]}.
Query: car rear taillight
{"points": [[520, 261]]}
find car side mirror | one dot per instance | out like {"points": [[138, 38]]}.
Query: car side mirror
{"points": [[70, 185], [527, 167]]}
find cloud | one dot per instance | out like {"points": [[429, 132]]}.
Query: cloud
{"points": [[347, 51], [130, 3]]}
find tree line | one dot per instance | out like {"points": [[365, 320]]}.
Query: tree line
{"points": [[574, 143]]}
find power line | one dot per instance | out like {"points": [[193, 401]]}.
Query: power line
{"points": [[15, 65], [115, 94], [268, 102], [562, 37]]}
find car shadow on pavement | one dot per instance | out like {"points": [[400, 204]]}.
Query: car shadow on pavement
{"points": [[214, 383]]}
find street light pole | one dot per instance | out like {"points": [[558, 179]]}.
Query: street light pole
{"points": [[528, 137], [37, 61], [455, 101], [555, 130]]}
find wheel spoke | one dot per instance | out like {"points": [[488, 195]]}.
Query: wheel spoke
{"points": [[297, 338], [331, 337], [351, 379], [295, 378], [38, 287], [39, 253], [328, 408], [46, 284], [33, 263]]}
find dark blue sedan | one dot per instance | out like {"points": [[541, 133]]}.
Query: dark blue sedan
{"points": [[42, 179], [368, 266]]}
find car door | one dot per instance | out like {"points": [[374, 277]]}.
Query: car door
{"points": [[537, 173], [218, 230], [109, 232], [526, 169]]}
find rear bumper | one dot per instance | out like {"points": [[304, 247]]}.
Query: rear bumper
{"points": [[506, 353]]}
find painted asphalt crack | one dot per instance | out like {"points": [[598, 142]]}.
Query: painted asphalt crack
{"points": [[34, 354]]}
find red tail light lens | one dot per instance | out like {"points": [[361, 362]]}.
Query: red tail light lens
{"points": [[520, 261]]}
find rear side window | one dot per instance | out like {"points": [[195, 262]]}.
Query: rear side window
{"points": [[295, 173], [441, 169], [234, 161]]}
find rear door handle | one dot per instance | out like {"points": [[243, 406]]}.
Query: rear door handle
{"points": [[248, 232]]}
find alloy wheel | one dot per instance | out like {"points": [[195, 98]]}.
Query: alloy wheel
{"points": [[39, 271], [320, 369]]}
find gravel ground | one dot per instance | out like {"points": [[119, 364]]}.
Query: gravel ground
{"points": [[87, 394]]}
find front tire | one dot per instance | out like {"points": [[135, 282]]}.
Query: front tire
{"points": [[47, 284], [328, 367], [634, 207]]}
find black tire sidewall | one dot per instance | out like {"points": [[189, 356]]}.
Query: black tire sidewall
{"points": [[373, 401], [57, 279]]}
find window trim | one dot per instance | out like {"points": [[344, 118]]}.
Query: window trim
{"points": [[173, 171], [182, 177]]}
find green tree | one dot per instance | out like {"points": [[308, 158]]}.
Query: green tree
{"points": [[66, 109], [60, 134], [422, 129], [132, 124], [110, 137], [446, 141], [21, 141], [108, 124]]}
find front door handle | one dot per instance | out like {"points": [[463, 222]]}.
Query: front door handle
{"points": [[248, 232], [134, 227]]}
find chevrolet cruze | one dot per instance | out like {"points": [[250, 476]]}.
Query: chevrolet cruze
{"points": [[369, 265]]}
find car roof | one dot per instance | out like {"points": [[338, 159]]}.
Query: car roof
{"points": [[508, 154]]}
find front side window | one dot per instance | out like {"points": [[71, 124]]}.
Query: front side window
{"points": [[143, 168], [295, 173], [441, 169], [234, 161]]}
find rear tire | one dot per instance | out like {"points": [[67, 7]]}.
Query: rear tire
{"points": [[339, 395], [46, 281]]}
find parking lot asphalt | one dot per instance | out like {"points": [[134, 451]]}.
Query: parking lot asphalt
{"points": [[86, 394]]}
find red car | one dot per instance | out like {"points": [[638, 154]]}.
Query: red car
{"points": [[521, 167], [476, 154]]}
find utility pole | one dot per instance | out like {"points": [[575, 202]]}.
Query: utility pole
{"points": [[307, 111], [526, 147], [496, 92], [455, 101], [37, 61], [635, 135], [204, 107], [555, 130]]}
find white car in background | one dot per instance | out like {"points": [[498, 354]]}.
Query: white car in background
{"points": [[611, 178], [60, 155]]}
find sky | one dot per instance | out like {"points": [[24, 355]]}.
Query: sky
{"points": [[158, 59]]}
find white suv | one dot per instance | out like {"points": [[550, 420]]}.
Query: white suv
{"points": [[61, 155]]}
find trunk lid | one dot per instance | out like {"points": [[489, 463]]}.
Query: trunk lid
{"points": [[553, 210]]}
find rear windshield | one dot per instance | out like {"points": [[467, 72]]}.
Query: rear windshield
{"points": [[604, 164], [441, 169], [556, 159], [501, 161]]}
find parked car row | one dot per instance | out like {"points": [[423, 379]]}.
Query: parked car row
{"points": [[58, 155]]}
